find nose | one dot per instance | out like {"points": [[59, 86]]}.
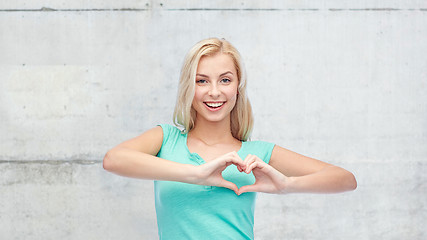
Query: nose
{"points": [[214, 91]]}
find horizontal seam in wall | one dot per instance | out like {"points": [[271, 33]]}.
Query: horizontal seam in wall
{"points": [[47, 9], [52, 162]]}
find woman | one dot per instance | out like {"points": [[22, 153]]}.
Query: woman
{"points": [[206, 176]]}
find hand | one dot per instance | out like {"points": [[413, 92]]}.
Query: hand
{"points": [[267, 178], [210, 173]]}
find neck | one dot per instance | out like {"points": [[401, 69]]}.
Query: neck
{"points": [[212, 132]]}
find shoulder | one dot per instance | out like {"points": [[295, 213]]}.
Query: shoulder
{"points": [[148, 142], [170, 133], [262, 149], [260, 144], [169, 129]]}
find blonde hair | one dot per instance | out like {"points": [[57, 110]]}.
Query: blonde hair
{"points": [[184, 115]]}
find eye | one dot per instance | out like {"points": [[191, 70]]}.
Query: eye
{"points": [[225, 80], [201, 81]]}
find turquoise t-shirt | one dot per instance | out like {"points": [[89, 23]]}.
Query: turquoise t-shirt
{"points": [[189, 211]]}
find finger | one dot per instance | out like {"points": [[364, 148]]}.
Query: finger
{"points": [[251, 158], [248, 158], [229, 185], [248, 188], [242, 167], [226, 160], [253, 163], [235, 159], [229, 158], [248, 161], [235, 155]]}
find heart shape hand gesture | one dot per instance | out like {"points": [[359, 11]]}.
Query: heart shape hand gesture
{"points": [[267, 179]]}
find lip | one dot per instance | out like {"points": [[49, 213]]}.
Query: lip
{"points": [[214, 109]]}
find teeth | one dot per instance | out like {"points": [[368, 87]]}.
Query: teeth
{"points": [[215, 105]]}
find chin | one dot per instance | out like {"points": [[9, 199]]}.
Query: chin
{"points": [[214, 119]]}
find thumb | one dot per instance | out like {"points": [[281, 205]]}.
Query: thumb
{"points": [[229, 185], [248, 188]]}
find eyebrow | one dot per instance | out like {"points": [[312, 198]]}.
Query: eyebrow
{"points": [[206, 76], [228, 72]]}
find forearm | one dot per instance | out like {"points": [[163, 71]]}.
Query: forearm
{"points": [[331, 179], [130, 163]]}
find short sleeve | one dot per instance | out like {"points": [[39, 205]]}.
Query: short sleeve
{"points": [[166, 132], [172, 137], [261, 149], [268, 150]]}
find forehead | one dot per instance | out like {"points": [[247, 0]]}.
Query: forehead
{"points": [[219, 62]]}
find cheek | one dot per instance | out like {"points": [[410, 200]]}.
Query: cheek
{"points": [[197, 95], [197, 99], [232, 94]]}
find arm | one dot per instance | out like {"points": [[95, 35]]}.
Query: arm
{"points": [[137, 158], [290, 172], [310, 175]]}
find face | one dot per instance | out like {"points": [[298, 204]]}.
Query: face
{"points": [[216, 88]]}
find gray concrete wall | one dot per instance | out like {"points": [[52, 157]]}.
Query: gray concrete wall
{"points": [[341, 81]]}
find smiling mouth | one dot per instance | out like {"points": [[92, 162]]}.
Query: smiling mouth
{"points": [[214, 104]]}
